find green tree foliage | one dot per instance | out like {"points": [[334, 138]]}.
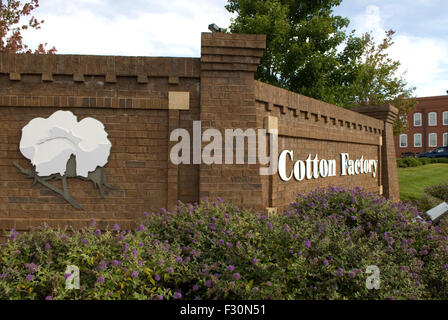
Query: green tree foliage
{"points": [[309, 52], [375, 80]]}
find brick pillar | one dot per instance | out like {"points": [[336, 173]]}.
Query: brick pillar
{"points": [[228, 65], [177, 101], [389, 176]]}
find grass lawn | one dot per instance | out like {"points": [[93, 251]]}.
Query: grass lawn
{"points": [[414, 180]]}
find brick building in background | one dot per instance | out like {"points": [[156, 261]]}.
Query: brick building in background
{"points": [[427, 127]]}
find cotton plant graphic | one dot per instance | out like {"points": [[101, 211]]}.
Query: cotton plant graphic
{"points": [[60, 147]]}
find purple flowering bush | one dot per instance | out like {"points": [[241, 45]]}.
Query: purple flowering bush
{"points": [[320, 248], [350, 230], [113, 265]]}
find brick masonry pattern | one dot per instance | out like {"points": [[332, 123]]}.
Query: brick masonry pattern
{"points": [[130, 96]]}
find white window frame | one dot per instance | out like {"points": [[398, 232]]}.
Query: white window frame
{"points": [[445, 118], [435, 119], [405, 145], [420, 115], [445, 139], [418, 135], [429, 140]]}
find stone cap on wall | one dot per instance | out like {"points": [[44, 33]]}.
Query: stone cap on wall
{"points": [[231, 52], [285, 99], [110, 66], [386, 112]]}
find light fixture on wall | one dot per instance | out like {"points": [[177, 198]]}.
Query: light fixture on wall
{"points": [[214, 28]]}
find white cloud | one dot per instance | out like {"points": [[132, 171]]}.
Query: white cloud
{"points": [[370, 21], [424, 59], [172, 28], [169, 28]]}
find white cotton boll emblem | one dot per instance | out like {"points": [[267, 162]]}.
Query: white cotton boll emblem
{"points": [[50, 142]]}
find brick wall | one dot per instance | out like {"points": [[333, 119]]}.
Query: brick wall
{"points": [[141, 100], [129, 95], [309, 127], [228, 65]]}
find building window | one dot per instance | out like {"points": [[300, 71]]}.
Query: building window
{"points": [[445, 139], [432, 119], [403, 140], [445, 118], [417, 119], [432, 140], [417, 140]]}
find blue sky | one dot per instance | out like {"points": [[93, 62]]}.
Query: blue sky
{"points": [[173, 27]]}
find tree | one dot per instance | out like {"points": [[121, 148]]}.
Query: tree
{"points": [[11, 26], [309, 52], [375, 81]]}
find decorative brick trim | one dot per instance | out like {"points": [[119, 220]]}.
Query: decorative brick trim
{"points": [[98, 65], [47, 77], [173, 80], [142, 78], [326, 134], [111, 78], [308, 108], [14, 76], [270, 124], [78, 77], [78, 102]]}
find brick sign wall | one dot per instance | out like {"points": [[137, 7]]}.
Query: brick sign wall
{"points": [[130, 96], [311, 127], [141, 100]]}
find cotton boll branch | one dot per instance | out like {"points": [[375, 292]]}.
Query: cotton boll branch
{"points": [[60, 147], [32, 174], [97, 176]]}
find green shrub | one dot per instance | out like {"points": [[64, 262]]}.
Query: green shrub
{"points": [[401, 163], [443, 160], [424, 161], [318, 249], [412, 162], [439, 191], [415, 162]]}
